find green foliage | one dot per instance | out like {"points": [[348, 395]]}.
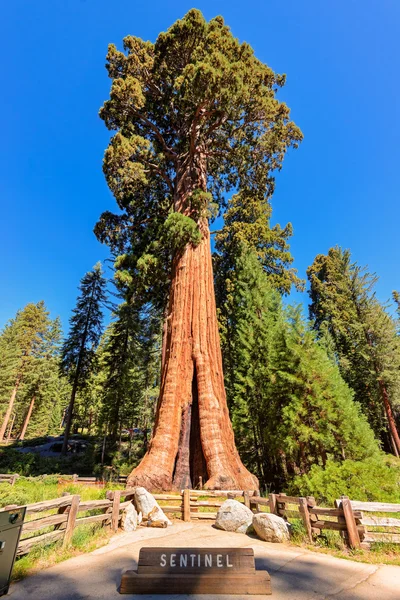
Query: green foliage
{"points": [[29, 365], [290, 407], [78, 356], [33, 464], [128, 368], [191, 112], [181, 230], [363, 334], [78, 351], [373, 479], [247, 221]]}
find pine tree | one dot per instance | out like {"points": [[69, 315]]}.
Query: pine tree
{"points": [[79, 348], [291, 408], [44, 389], [343, 303], [21, 343], [129, 357], [195, 116]]}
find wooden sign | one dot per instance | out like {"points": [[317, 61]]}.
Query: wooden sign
{"points": [[196, 571]]}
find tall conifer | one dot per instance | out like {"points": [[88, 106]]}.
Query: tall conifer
{"points": [[79, 348], [21, 343], [343, 302]]}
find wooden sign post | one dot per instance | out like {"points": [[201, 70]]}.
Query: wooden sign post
{"points": [[196, 571]]}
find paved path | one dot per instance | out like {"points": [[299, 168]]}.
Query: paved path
{"points": [[296, 574]]}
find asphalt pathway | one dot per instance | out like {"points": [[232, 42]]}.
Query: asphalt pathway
{"points": [[296, 574]]}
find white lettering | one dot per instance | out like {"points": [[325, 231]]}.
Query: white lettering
{"points": [[228, 564], [183, 560], [198, 560], [163, 561], [219, 560], [192, 556], [208, 560], [172, 560]]}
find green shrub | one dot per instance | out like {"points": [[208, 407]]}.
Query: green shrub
{"points": [[374, 479]]}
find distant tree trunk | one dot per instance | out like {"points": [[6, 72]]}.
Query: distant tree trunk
{"points": [[75, 385], [71, 404], [10, 429], [27, 419], [10, 407], [193, 435], [390, 417]]}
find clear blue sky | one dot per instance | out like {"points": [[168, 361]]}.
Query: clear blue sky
{"points": [[341, 187]]}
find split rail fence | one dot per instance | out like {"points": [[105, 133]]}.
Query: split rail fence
{"points": [[62, 515], [7, 478]]}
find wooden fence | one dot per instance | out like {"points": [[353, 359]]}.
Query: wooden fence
{"points": [[347, 517], [7, 478]]}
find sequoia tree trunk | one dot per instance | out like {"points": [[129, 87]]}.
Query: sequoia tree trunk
{"points": [[193, 435]]}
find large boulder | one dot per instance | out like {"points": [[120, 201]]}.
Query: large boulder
{"points": [[234, 516], [130, 518], [146, 504], [270, 528]]}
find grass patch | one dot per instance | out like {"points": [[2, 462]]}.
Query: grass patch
{"points": [[29, 490], [86, 538]]}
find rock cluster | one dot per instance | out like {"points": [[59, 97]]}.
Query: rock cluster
{"points": [[234, 516], [143, 506], [270, 527]]}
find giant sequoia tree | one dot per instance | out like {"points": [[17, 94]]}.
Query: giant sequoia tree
{"points": [[195, 115]]}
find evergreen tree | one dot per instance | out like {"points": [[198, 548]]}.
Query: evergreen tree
{"points": [[44, 390], [247, 221], [291, 408], [79, 348], [21, 344], [343, 303], [129, 358]]}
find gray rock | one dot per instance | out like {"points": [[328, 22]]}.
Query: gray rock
{"points": [[234, 516], [270, 528], [129, 520], [146, 504]]}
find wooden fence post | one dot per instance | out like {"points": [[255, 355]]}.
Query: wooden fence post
{"points": [[273, 508], [246, 497], [313, 518], [282, 507], [116, 500], [61, 511], [352, 531], [303, 509], [186, 505], [73, 511]]}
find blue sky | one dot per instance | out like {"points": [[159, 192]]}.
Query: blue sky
{"points": [[341, 187]]}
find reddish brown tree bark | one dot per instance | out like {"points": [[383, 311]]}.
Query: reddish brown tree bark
{"points": [[27, 419], [193, 435], [9, 408], [390, 417]]}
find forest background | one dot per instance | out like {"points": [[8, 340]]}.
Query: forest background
{"points": [[341, 213]]}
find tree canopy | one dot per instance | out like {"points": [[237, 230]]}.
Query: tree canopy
{"points": [[195, 99]]}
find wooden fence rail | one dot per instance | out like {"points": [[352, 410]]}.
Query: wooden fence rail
{"points": [[7, 478], [62, 515]]}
